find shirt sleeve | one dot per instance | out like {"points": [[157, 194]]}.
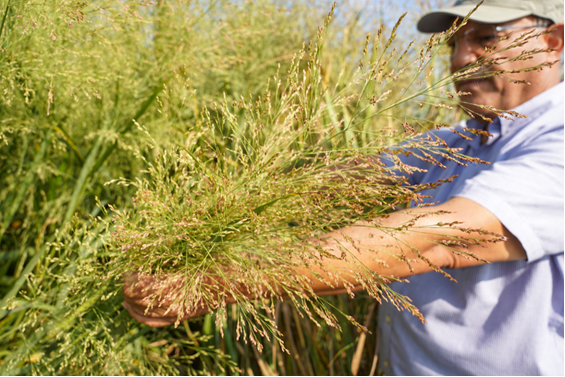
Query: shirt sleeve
{"points": [[524, 190]]}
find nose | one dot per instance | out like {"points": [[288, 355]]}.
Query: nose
{"points": [[463, 55]]}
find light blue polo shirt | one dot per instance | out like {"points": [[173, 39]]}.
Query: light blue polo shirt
{"points": [[503, 318]]}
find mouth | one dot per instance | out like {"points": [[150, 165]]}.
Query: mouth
{"points": [[469, 85]]}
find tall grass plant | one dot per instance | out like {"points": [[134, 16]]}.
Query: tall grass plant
{"points": [[190, 105]]}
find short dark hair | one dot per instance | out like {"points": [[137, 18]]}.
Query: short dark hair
{"points": [[540, 21]]}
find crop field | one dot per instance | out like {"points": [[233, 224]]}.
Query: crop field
{"points": [[153, 135]]}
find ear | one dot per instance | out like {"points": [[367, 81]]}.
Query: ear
{"points": [[555, 39]]}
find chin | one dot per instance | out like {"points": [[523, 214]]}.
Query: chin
{"points": [[471, 85], [474, 108], [480, 89]]}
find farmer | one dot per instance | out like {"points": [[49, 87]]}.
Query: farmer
{"points": [[502, 318], [505, 317]]}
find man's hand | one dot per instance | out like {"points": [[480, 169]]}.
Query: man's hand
{"points": [[138, 291]]}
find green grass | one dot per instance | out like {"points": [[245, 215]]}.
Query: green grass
{"points": [[97, 91]]}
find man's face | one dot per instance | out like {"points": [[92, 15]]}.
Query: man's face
{"points": [[497, 91]]}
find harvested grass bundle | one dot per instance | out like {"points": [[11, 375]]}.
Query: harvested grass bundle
{"points": [[231, 214]]}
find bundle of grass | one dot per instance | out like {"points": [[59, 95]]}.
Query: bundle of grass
{"points": [[231, 214]]}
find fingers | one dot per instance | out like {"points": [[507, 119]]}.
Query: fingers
{"points": [[137, 291], [141, 307], [139, 286], [149, 321], [151, 300], [154, 319]]}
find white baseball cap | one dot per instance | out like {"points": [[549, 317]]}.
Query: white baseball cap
{"points": [[491, 12]]}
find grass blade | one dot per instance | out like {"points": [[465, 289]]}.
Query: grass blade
{"points": [[361, 344], [81, 182], [21, 280], [70, 142], [127, 127], [22, 188], [5, 15]]}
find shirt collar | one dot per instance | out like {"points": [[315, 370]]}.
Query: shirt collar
{"points": [[531, 109], [494, 129]]}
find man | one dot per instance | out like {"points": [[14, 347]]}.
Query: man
{"points": [[500, 318]]}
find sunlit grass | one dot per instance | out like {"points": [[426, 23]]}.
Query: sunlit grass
{"points": [[225, 124]]}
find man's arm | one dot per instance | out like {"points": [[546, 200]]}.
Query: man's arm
{"points": [[427, 241], [369, 248]]}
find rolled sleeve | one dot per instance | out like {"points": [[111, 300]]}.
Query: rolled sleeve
{"points": [[524, 190]]}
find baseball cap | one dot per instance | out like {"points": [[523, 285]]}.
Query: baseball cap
{"points": [[491, 12]]}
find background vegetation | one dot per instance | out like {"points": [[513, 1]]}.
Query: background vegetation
{"points": [[76, 80]]}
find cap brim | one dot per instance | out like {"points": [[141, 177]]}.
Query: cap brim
{"points": [[442, 19]]}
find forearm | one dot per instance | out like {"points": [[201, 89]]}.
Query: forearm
{"points": [[364, 247], [389, 252]]}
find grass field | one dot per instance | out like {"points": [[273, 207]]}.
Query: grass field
{"points": [[93, 90]]}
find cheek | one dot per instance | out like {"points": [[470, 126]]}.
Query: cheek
{"points": [[452, 68], [526, 61]]}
